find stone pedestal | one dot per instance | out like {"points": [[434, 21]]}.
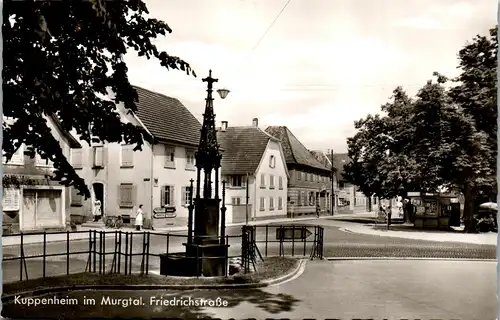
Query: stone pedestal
{"points": [[212, 258], [206, 221]]}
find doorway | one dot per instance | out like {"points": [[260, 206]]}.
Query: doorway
{"points": [[98, 190]]}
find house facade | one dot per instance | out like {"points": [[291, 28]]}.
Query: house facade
{"points": [[31, 200], [309, 184], [349, 198], [253, 166], [158, 177]]}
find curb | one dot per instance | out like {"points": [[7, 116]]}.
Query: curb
{"points": [[409, 258], [38, 292]]}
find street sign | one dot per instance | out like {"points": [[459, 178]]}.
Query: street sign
{"points": [[413, 194], [164, 212], [288, 233]]}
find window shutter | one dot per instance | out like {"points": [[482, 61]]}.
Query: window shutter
{"points": [[127, 194], [98, 156], [183, 195], [76, 158], [127, 154], [172, 196], [162, 196], [11, 199], [244, 180], [299, 201]]}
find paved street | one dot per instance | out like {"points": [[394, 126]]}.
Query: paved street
{"points": [[337, 243], [327, 289]]}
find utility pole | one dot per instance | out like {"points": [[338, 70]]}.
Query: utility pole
{"points": [[332, 204], [248, 197]]}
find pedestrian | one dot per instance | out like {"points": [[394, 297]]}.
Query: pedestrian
{"points": [[318, 209], [381, 216], [407, 209], [97, 210], [138, 218], [389, 214]]}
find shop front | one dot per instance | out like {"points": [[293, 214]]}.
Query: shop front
{"points": [[435, 210]]}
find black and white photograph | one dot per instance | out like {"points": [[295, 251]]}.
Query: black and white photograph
{"points": [[249, 159]]}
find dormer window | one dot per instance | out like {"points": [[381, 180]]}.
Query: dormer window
{"points": [[272, 161]]}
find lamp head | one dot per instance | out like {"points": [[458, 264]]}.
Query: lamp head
{"points": [[223, 93]]}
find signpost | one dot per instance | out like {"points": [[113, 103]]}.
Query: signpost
{"points": [[164, 212], [292, 233]]}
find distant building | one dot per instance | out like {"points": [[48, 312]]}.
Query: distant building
{"points": [[250, 154], [310, 180], [31, 200], [158, 177]]}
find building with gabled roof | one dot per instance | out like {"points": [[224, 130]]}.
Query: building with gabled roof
{"points": [[309, 185], [253, 164], [158, 177]]}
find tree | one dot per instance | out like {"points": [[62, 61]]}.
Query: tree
{"points": [[60, 59]]}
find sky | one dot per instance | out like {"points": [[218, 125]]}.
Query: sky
{"points": [[321, 66]]}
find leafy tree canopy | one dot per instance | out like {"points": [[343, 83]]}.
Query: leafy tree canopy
{"points": [[60, 59]]}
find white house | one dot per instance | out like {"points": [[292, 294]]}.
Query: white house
{"points": [[253, 164], [157, 177], [31, 201]]}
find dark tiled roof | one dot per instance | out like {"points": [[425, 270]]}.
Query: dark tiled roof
{"points": [[339, 160], [167, 118], [243, 149], [321, 157], [294, 150]]}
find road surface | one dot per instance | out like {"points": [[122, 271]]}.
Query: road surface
{"points": [[400, 289]]}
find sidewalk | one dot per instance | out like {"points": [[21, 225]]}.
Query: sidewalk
{"points": [[84, 231], [410, 232]]}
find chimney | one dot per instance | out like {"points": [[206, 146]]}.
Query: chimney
{"points": [[223, 126], [255, 122]]}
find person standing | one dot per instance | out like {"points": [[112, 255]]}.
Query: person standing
{"points": [[389, 214], [139, 218], [97, 210]]}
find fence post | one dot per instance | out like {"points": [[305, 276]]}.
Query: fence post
{"points": [[293, 240], [227, 256], [94, 244], [168, 242], [104, 253], [90, 252], [131, 253], [197, 262], [44, 250], [67, 252], [147, 254], [22, 257], [126, 252], [119, 250], [100, 252]]}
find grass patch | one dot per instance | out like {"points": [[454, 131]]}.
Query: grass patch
{"points": [[271, 267]]}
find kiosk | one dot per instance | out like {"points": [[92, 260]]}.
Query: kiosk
{"points": [[435, 210]]}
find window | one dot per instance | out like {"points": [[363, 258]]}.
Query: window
{"points": [[311, 177], [190, 159], [299, 198], [280, 183], [126, 195], [271, 182], [304, 198], [299, 175], [127, 155], [305, 176], [167, 196], [280, 203], [272, 161], [311, 198], [236, 201], [262, 204], [262, 180], [169, 157], [186, 195], [76, 158], [236, 181], [98, 156], [17, 157], [271, 203], [39, 162], [11, 199], [76, 199]]}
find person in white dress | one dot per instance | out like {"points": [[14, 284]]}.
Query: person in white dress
{"points": [[139, 218], [97, 210]]}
